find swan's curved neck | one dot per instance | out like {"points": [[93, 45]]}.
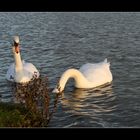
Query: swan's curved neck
{"points": [[80, 80], [18, 62]]}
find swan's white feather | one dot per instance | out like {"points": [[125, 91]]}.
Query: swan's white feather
{"points": [[95, 72], [11, 72], [20, 71], [28, 68], [88, 76]]}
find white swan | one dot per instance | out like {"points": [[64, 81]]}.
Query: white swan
{"points": [[88, 76], [20, 72]]}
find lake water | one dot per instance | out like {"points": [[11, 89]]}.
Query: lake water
{"points": [[56, 41]]}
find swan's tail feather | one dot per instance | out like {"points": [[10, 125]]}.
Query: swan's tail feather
{"points": [[107, 61]]}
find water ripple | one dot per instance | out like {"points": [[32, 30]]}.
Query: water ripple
{"points": [[54, 42]]}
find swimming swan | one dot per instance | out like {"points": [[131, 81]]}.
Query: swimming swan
{"points": [[20, 72], [88, 76]]}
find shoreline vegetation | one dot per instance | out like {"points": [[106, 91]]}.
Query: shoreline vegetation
{"points": [[32, 107], [14, 115]]}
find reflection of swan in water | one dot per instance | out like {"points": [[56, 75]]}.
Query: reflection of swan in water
{"points": [[89, 101], [86, 107]]}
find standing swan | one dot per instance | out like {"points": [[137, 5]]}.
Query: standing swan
{"points": [[20, 72], [88, 76]]}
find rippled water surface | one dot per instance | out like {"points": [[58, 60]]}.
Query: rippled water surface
{"points": [[54, 42]]}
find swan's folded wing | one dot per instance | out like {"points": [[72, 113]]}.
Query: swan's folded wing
{"points": [[95, 72], [11, 72], [93, 66], [30, 68]]}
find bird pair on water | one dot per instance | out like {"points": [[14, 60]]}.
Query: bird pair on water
{"points": [[88, 76]]}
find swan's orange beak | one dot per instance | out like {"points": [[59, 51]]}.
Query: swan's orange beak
{"points": [[17, 49]]}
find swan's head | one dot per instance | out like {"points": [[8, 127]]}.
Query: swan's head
{"points": [[16, 39], [16, 45], [58, 89]]}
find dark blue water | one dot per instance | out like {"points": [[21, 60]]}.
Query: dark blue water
{"points": [[54, 42]]}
